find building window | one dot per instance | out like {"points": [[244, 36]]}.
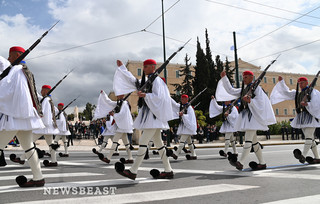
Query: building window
{"points": [[178, 93], [291, 81], [285, 111], [277, 111], [294, 111], [177, 74], [139, 72], [265, 79], [274, 80]]}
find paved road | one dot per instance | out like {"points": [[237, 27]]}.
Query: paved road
{"points": [[83, 178]]}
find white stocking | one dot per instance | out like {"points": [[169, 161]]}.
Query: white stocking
{"points": [[49, 140], [183, 139], [191, 146], [257, 150], [233, 144], [26, 141], [248, 143], [115, 144], [127, 145], [227, 141], [308, 132]]}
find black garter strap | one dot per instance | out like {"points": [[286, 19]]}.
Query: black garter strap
{"points": [[28, 150], [116, 143], [143, 146], [161, 148]]}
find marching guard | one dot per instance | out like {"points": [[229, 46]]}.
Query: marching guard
{"points": [[20, 112], [227, 127], [187, 126], [155, 111], [49, 120], [122, 121], [256, 113], [63, 127], [108, 133], [308, 113]]}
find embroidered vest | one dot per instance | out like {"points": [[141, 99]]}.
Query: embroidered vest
{"points": [[32, 89]]}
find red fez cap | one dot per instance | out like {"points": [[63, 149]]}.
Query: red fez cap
{"points": [[149, 61], [247, 73], [302, 79], [46, 87], [16, 49], [184, 96], [60, 104]]}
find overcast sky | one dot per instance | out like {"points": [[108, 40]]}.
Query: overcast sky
{"points": [[92, 35]]}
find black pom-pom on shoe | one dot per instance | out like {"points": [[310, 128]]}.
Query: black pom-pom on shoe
{"points": [[46, 162], [119, 167], [233, 158], [21, 180], [100, 156], [253, 165], [155, 173], [310, 160], [13, 157], [123, 160]]}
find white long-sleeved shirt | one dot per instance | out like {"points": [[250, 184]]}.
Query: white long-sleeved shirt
{"points": [[188, 126]]}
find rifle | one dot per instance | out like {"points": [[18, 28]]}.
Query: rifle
{"points": [[253, 86], [190, 102], [117, 108], [196, 105], [153, 76], [256, 83], [23, 55], [309, 90], [60, 111], [55, 86]]}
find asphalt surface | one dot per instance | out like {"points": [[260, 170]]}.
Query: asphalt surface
{"points": [[209, 179]]}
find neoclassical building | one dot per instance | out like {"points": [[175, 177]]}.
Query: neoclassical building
{"points": [[283, 111]]}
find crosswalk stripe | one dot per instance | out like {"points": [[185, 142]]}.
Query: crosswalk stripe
{"points": [[113, 182], [155, 195], [315, 199], [25, 170], [263, 173], [4, 178]]}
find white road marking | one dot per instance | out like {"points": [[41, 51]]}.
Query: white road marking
{"points": [[315, 199], [25, 170], [154, 195], [113, 182], [59, 175]]}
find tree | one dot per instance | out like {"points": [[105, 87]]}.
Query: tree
{"points": [[186, 86], [201, 78], [212, 71], [207, 74], [88, 111], [201, 119], [229, 71]]}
